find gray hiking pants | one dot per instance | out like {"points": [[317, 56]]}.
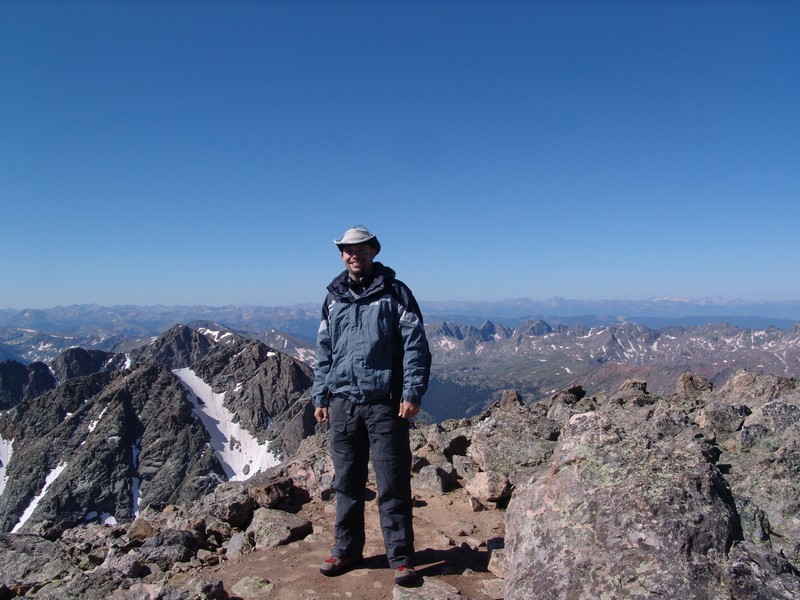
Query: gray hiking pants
{"points": [[357, 429]]}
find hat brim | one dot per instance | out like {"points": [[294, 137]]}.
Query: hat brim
{"points": [[370, 241]]}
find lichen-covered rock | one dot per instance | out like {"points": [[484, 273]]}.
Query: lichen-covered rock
{"points": [[270, 528], [691, 385], [764, 470], [639, 499], [617, 516], [28, 563], [512, 437]]}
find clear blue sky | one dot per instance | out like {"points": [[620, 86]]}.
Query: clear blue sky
{"points": [[209, 152]]}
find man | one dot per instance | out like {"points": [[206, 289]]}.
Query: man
{"points": [[373, 365]]}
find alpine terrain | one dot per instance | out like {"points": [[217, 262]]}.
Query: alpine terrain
{"points": [[554, 461]]}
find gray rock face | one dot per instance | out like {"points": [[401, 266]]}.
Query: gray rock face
{"points": [[267, 391], [105, 445], [93, 437], [289, 428], [512, 439], [676, 521], [272, 382], [687, 496], [764, 470]]}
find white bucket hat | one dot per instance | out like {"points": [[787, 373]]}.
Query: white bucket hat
{"points": [[358, 235]]}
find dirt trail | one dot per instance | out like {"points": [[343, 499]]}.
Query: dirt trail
{"points": [[451, 545]]}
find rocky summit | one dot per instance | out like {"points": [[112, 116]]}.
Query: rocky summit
{"points": [[691, 494]]}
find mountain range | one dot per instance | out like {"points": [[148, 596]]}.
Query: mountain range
{"points": [[120, 460], [302, 319], [537, 359], [472, 362]]}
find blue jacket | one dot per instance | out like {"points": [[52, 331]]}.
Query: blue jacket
{"points": [[372, 346]]}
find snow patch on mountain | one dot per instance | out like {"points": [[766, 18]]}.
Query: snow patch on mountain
{"points": [[48, 481], [239, 452], [215, 335], [94, 422], [136, 482], [102, 518], [6, 450]]}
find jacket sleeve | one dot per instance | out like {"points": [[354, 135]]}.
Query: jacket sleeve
{"points": [[319, 390], [416, 353]]}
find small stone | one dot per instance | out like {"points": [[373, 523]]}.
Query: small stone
{"points": [[476, 504], [498, 561], [203, 554], [494, 589], [253, 587], [238, 544], [489, 486]]}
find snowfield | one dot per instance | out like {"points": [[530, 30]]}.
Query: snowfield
{"points": [[239, 452]]}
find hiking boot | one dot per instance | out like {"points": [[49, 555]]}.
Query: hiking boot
{"points": [[336, 565], [405, 576]]}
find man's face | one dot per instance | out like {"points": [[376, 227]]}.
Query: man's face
{"points": [[358, 259]]}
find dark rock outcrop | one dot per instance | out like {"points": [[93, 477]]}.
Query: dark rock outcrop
{"points": [[77, 362], [104, 445], [178, 348], [260, 386], [19, 382]]}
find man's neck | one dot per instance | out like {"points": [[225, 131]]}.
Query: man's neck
{"points": [[358, 284]]}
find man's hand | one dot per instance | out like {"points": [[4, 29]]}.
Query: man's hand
{"points": [[321, 414], [408, 410]]}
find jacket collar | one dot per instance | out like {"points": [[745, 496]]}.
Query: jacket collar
{"points": [[382, 275]]}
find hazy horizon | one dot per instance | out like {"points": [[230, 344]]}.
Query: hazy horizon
{"points": [[704, 301]]}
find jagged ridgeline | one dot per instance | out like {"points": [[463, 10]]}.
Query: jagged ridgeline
{"points": [[98, 436], [628, 494]]}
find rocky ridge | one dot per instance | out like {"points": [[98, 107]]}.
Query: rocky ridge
{"points": [[692, 494], [112, 434]]}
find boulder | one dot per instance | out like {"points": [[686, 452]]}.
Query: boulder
{"points": [[270, 528], [435, 478], [687, 496], [512, 437], [489, 486], [620, 517]]}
